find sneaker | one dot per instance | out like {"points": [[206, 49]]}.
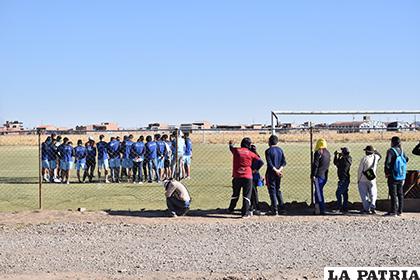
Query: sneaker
{"points": [[140, 183], [372, 212], [172, 215], [390, 214], [272, 213], [68, 182], [56, 180], [247, 216], [257, 212]]}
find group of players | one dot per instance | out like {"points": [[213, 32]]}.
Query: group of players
{"points": [[138, 160]]}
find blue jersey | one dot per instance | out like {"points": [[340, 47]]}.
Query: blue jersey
{"points": [[60, 151], [66, 153], [173, 147], [80, 153], [151, 150], [161, 147], [102, 150], [91, 153], [137, 150], [45, 151], [114, 149], [127, 149], [188, 147], [53, 153]]}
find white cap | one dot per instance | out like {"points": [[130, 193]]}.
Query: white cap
{"points": [[91, 138]]}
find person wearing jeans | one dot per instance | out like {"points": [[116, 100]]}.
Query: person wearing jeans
{"points": [[276, 161], [343, 162], [395, 185], [242, 175], [367, 188], [319, 174], [177, 197]]}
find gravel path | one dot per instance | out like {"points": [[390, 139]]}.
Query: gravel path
{"points": [[199, 248]]}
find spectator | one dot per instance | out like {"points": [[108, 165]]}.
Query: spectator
{"points": [[257, 181], [242, 175], [416, 150], [396, 171], [319, 174], [367, 179], [343, 162], [276, 161], [177, 198], [187, 155]]}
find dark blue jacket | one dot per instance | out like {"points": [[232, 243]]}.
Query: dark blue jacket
{"points": [[275, 158]]}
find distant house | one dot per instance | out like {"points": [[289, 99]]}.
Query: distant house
{"points": [[45, 127], [157, 126], [366, 125], [228, 126], [12, 127], [105, 126], [398, 126], [254, 126]]}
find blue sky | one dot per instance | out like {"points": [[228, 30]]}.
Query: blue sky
{"points": [[80, 62]]}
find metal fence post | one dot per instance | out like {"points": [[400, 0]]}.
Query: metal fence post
{"points": [[311, 140], [40, 171], [176, 175]]}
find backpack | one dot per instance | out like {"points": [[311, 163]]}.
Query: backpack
{"points": [[400, 166]]}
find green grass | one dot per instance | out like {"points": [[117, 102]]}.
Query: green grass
{"points": [[210, 185]]}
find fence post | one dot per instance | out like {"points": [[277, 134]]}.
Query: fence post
{"points": [[311, 138], [40, 171], [176, 175]]}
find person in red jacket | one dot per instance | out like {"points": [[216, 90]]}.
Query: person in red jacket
{"points": [[242, 175]]}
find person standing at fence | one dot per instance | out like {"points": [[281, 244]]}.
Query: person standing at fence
{"points": [[66, 161], [242, 175], [137, 155], [45, 156], [276, 161], [257, 181], [367, 180], [319, 174], [160, 155], [103, 157], [416, 150], [114, 147], [187, 155], [80, 154], [177, 198], [343, 162], [127, 161], [90, 159], [151, 156], [396, 172]]}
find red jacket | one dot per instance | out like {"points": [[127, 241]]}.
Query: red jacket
{"points": [[242, 161]]}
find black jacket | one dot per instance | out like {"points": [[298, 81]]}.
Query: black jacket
{"points": [[416, 150], [343, 163], [321, 164]]}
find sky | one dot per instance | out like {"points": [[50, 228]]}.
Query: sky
{"points": [[135, 62]]}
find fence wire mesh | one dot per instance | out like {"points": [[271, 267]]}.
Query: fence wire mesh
{"points": [[23, 156]]}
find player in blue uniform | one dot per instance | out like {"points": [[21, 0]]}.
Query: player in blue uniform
{"points": [[137, 155], [161, 147], [80, 154], [127, 161], [168, 158], [90, 159], [187, 155], [151, 156], [45, 155], [102, 149], [66, 159], [114, 159]]}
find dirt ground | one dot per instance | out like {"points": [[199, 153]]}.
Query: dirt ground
{"points": [[26, 254]]}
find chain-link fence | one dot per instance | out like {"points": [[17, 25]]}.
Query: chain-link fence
{"points": [[33, 169]]}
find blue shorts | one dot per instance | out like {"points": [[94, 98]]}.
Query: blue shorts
{"points": [[127, 163], [187, 160], [53, 164], [66, 165], [80, 165], [45, 164], [115, 163], [103, 164], [160, 163]]}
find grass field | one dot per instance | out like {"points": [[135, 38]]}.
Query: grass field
{"points": [[210, 185]]}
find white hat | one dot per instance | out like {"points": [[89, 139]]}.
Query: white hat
{"points": [[91, 138]]}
